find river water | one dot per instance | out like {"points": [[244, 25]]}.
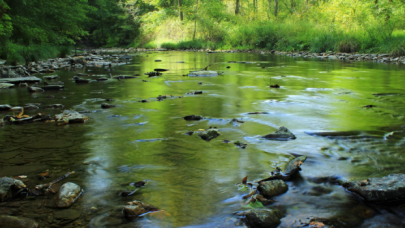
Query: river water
{"points": [[193, 180]]}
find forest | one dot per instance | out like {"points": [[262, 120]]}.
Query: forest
{"points": [[35, 29]]}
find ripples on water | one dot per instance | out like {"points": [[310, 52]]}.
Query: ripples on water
{"points": [[194, 180]]}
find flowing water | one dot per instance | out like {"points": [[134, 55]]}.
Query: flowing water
{"points": [[194, 180]]}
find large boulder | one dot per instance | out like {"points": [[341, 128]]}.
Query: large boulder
{"points": [[388, 188], [68, 194], [135, 208], [272, 188], [193, 117], [281, 134], [263, 218]]}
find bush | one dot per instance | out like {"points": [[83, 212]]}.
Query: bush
{"points": [[347, 46]]}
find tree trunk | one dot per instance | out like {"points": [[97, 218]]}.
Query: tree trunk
{"points": [[237, 7], [195, 19], [275, 7], [267, 11], [306, 2], [180, 11]]}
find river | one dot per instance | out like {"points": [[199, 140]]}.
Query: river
{"points": [[193, 180]]}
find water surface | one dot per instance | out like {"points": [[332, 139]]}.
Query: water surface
{"points": [[194, 180]]}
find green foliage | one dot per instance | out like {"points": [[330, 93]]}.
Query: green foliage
{"points": [[256, 204]]}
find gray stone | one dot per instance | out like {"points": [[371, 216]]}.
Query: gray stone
{"points": [[293, 166], [272, 188], [49, 77], [193, 117], [72, 117], [8, 185], [5, 107], [68, 194], [388, 188], [67, 214], [263, 218], [281, 134], [32, 89], [6, 85], [135, 208], [19, 80]]}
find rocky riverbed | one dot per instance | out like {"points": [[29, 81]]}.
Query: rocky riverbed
{"points": [[321, 150]]}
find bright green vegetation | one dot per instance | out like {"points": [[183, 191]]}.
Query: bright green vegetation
{"points": [[35, 29], [286, 25]]}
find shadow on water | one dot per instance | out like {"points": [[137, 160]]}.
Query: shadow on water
{"points": [[194, 180]]}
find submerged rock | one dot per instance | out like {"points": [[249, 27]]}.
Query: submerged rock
{"points": [[388, 188], [67, 214], [209, 134], [135, 208], [71, 116], [106, 105], [68, 194], [8, 186], [263, 218], [193, 117], [202, 73], [53, 87], [13, 221], [32, 89], [49, 77], [281, 134], [272, 188]]}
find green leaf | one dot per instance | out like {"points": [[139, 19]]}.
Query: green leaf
{"points": [[243, 187], [256, 204]]}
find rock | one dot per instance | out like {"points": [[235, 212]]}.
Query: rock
{"points": [[193, 117], [13, 221], [33, 89], [160, 70], [8, 186], [72, 117], [19, 80], [281, 134], [293, 166], [54, 83], [15, 109], [49, 77], [209, 134], [81, 80], [272, 188], [263, 218], [6, 85], [124, 77], [5, 107], [102, 79], [135, 208], [68, 194], [53, 87], [202, 73], [67, 214], [106, 105], [79, 60], [388, 188]]}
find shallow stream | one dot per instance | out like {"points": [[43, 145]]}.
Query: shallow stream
{"points": [[194, 180]]}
